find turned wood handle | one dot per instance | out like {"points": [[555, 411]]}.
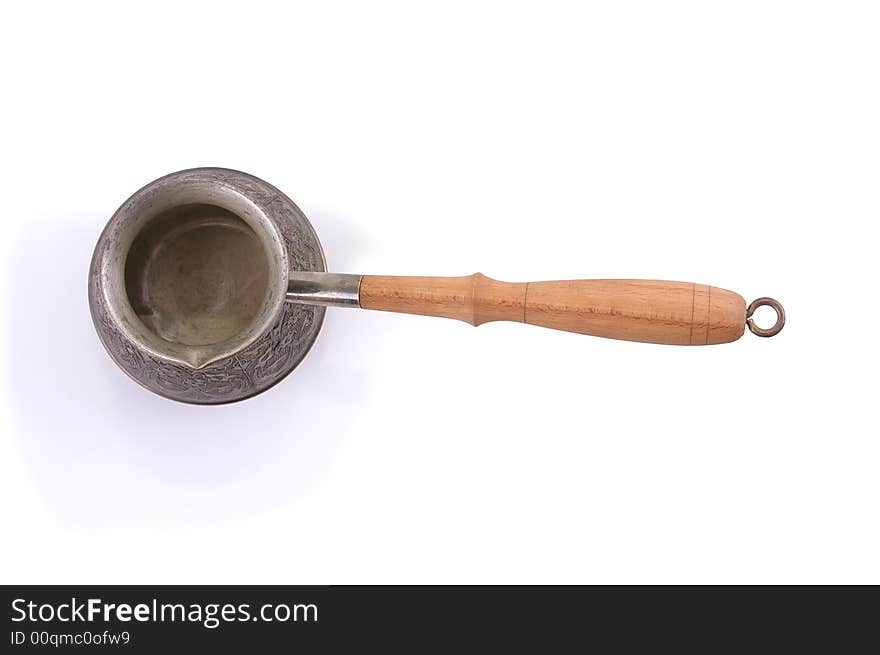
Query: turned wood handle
{"points": [[652, 311]]}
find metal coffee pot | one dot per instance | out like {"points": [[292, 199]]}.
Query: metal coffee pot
{"points": [[209, 286]]}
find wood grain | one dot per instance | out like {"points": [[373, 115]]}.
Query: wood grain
{"points": [[652, 311]]}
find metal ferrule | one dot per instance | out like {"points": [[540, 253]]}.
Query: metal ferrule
{"points": [[326, 289]]}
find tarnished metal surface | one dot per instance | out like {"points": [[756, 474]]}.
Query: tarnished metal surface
{"points": [[780, 317], [188, 282]]}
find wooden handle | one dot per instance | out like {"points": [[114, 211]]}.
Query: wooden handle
{"points": [[651, 311]]}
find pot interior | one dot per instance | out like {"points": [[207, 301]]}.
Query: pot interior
{"points": [[197, 275]]}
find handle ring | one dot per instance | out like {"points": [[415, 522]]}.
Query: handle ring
{"points": [[780, 317]]}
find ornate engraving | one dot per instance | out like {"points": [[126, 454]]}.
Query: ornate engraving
{"points": [[272, 356]]}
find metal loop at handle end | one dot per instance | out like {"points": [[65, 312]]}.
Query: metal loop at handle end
{"points": [[780, 317]]}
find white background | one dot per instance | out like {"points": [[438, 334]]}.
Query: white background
{"points": [[733, 144]]}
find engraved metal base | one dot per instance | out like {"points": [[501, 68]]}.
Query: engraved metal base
{"points": [[186, 360]]}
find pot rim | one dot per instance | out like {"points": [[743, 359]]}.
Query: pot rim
{"points": [[191, 186]]}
